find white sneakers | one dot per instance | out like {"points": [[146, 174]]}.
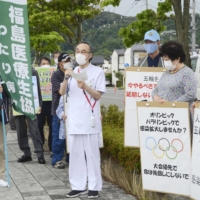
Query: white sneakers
{"points": [[3, 183]]}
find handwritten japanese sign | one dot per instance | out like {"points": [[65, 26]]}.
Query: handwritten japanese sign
{"points": [[165, 147], [45, 74], [195, 180], [138, 87], [15, 62]]}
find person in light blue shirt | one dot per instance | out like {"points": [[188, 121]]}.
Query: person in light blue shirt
{"points": [[61, 115]]}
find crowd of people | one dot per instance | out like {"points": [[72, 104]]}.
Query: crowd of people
{"points": [[177, 84]]}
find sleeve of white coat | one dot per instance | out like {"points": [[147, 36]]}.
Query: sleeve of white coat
{"points": [[100, 83]]}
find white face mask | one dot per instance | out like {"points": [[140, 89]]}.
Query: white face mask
{"points": [[45, 66], [67, 65], [168, 65], [56, 61], [81, 59]]}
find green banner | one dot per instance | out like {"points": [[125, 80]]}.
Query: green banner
{"points": [[45, 74], [15, 61]]}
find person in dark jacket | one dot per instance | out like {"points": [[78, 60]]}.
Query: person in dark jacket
{"points": [[151, 45], [46, 110], [34, 131], [4, 102]]}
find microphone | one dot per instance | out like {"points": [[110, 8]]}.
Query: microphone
{"points": [[74, 65]]}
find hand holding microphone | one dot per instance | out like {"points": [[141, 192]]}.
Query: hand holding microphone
{"points": [[68, 73]]}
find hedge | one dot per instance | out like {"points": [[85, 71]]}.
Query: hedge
{"points": [[113, 135]]}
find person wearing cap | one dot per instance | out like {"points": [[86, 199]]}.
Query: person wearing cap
{"points": [[84, 123], [151, 45], [46, 109], [58, 145]]}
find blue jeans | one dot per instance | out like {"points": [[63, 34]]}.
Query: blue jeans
{"points": [[58, 145]]}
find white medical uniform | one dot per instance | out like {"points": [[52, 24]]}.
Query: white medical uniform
{"points": [[83, 138]]}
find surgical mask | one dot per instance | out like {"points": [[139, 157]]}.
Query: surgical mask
{"points": [[151, 48], [168, 65], [81, 59], [67, 65], [56, 61], [45, 66]]}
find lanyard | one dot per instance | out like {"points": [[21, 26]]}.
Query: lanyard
{"points": [[92, 106]]}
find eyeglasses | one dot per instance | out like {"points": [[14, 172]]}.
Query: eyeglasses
{"points": [[82, 52]]}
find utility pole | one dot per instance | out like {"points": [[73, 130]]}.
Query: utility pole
{"points": [[193, 28], [146, 4]]}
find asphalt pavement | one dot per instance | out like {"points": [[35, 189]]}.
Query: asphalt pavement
{"points": [[113, 97], [32, 181]]}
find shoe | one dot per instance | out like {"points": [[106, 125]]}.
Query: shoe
{"points": [[59, 165], [3, 183], [13, 128], [24, 159], [41, 161], [92, 194], [76, 193]]}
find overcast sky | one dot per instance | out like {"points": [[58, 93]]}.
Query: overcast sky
{"points": [[132, 7]]}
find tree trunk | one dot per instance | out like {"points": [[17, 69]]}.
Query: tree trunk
{"points": [[79, 32], [182, 25]]}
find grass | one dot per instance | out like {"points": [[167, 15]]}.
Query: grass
{"points": [[130, 182]]}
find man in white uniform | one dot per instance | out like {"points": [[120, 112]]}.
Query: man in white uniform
{"points": [[84, 123]]}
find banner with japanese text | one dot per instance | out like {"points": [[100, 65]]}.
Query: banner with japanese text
{"points": [[15, 61], [36, 98], [139, 83], [165, 147], [45, 74], [195, 181]]}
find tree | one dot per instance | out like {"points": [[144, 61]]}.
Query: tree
{"points": [[135, 31], [181, 19], [120, 76], [43, 43], [109, 77], [62, 16]]}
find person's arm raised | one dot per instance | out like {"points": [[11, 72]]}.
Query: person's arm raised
{"points": [[63, 86]]}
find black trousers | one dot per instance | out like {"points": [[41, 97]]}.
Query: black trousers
{"points": [[45, 114], [23, 137]]}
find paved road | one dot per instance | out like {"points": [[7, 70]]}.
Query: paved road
{"points": [[31, 181], [110, 97]]}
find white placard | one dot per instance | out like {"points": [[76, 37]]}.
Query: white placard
{"points": [[82, 76], [195, 179], [139, 85], [165, 147]]}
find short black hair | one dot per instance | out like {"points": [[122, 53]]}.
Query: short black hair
{"points": [[90, 46], [173, 50], [44, 58]]}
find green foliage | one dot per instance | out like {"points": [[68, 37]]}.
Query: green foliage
{"points": [[42, 43], [102, 32], [120, 76], [62, 16], [113, 134], [109, 77], [109, 2], [135, 31]]}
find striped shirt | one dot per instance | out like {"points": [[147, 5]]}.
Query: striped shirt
{"points": [[56, 79]]}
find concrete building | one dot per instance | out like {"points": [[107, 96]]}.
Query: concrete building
{"points": [[128, 57], [117, 63], [98, 61]]}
